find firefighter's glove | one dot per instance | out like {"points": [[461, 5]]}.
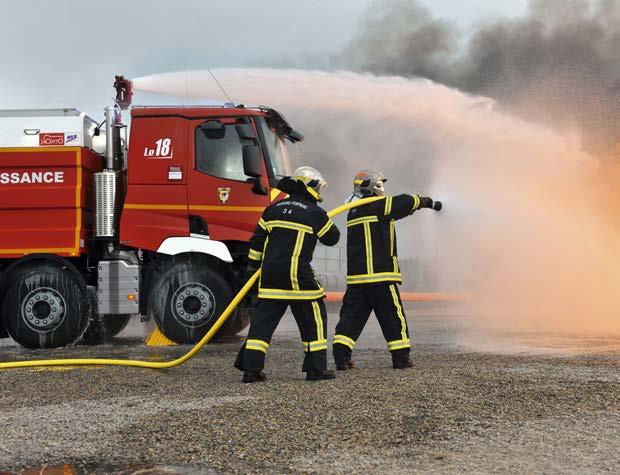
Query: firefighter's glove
{"points": [[437, 205], [426, 202]]}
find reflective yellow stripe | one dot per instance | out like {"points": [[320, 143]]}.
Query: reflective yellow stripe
{"points": [[399, 344], [358, 182], [258, 342], [364, 219], [255, 348], [416, 202], [388, 205], [288, 225], [261, 223], [316, 345], [318, 320], [399, 312], [255, 255], [325, 228], [257, 345], [368, 243], [392, 232], [290, 294], [396, 269], [378, 277], [295, 260], [344, 340]]}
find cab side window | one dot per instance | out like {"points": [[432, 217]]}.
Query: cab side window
{"points": [[219, 152]]}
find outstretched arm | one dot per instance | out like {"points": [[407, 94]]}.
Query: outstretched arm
{"points": [[401, 206]]}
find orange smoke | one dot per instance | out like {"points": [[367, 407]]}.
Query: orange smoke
{"points": [[530, 224]]}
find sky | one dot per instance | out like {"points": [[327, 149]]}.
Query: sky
{"points": [[64, 53]]}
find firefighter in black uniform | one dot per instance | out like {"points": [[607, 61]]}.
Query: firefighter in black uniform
{"points": [[282, 246], [372, 270]]}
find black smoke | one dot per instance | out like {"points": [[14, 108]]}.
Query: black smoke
{"points": [[559, 64]]}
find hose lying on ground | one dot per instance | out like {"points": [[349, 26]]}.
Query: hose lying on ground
{"points": [[182, 359]]}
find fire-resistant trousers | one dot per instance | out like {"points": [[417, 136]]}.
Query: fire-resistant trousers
{"points": [[311, 318], [358, 302]]}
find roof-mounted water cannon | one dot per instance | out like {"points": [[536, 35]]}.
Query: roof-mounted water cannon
{"points": [[124, 91]]}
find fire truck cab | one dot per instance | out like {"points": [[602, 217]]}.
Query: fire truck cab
{"points": [[96, 227]]}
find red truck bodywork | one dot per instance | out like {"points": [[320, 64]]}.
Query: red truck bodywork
{"points": [[47, 201], [157, 207]]}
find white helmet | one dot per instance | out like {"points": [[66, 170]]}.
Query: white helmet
{"points": [[312, 179]]}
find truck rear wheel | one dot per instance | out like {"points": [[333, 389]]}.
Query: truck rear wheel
{"points": [[46, 308], [187, 299]]}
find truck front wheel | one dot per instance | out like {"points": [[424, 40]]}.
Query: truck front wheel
{"points": [[46, 308], [186, 300]]}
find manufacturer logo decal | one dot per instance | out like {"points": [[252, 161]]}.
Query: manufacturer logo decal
{"points": [[72, 138], [223, 194], [50, 139]]}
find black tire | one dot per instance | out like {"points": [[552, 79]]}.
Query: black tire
{"points": [[104, 327], [181, 292], [3, 332], [46, 307]]}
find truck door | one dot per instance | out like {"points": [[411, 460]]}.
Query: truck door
{"points": [[219, 192]]}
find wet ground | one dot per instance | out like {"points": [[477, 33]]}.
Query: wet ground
{"points": [[500, 402]]}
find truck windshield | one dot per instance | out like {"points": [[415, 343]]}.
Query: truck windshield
{"points": [[276, 148]]}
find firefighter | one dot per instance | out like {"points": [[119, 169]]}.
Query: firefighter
{"points": [[282, 246], [372, 270]]}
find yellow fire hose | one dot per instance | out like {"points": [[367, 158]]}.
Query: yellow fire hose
{"points": [[182, 359]]}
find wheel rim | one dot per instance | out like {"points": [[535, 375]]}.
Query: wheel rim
{"points": [[43, 309], [193, 304]]}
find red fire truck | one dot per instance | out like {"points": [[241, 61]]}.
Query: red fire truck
{"points": [[96, 227]]}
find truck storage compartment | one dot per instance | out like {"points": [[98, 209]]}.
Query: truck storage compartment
{"points": [[45, 200]]}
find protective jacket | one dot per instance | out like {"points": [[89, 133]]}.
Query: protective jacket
{"points": [[371, 239], [284, 241]]}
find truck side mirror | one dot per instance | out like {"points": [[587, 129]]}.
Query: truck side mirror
{"points": [[252, 163], [252, 167]]}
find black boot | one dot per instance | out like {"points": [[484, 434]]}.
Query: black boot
{"points": [[253, 377], [343, 365], [320, 375], [401, 364], [342, 357]]}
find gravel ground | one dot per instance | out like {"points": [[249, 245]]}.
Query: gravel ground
{"points": [[553, 407]]}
